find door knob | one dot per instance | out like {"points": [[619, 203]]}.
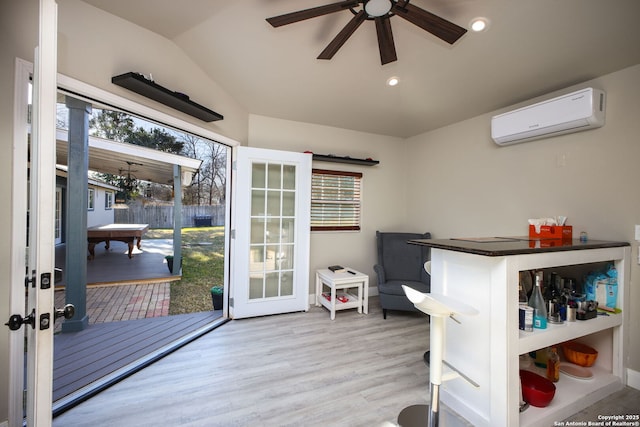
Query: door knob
{"points": [[67, 311], [16, 321]]}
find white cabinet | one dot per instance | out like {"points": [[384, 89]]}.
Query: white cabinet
{"points": [[487, 347]]}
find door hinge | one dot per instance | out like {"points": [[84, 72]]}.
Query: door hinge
{"points": [[234, 165], [231, 302], [233, 233]]}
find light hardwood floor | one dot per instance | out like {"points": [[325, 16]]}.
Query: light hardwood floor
{"points": [[298, 369]]}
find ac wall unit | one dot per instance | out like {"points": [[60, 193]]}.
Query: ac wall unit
{"points": [[574, 112]]}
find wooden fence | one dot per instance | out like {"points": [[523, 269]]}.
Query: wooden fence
{"points": [[162, 216]]}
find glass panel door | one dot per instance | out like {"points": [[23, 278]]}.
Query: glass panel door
{"points": [[277, 236]]}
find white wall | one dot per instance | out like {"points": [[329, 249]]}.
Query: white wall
{"points": [[461, 184], [99, 215], [383, 199]]}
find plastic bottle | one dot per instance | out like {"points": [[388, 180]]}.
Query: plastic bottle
{"points": [[537, 302], [541, 357], [553, 365]]}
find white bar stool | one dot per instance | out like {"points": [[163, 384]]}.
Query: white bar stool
{"points": [[438, 307]]}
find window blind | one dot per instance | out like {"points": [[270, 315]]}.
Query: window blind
{"points": [[335, 200]]}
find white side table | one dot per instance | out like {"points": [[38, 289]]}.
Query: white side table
{"points": [[342, 281]]}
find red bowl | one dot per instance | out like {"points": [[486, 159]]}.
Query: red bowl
{"points": [[536, 390]]}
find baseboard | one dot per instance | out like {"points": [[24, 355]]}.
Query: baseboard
{"points": [[4, 424], [633, 379]]}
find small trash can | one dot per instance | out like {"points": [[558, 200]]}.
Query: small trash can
{"points": [[216, 297], [202, 221]]}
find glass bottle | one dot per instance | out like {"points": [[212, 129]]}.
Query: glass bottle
{"points": [[522, 295], [553, 365], [537, 302]]}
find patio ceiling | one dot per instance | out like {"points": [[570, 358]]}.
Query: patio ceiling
{"points": [[118, 158]]}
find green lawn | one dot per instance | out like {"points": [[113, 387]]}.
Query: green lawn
{"points": [[202, 267]]}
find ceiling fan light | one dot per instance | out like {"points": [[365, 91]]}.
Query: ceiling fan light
{"points": [[375, 8]]}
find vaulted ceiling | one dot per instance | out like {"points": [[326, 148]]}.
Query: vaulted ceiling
{"points": [[532, 47]]}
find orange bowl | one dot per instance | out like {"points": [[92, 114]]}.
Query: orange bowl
{"points": [[580, 354], [536, 389]]}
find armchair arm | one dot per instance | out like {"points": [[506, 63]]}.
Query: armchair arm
{"points": [[379, 269]]}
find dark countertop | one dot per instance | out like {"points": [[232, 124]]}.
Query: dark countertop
{"points": [[501, 246]]}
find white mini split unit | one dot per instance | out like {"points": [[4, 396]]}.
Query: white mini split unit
{"points": [[574, 112]]}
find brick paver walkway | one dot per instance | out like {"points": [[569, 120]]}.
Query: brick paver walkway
{"points": [[123, 302]]}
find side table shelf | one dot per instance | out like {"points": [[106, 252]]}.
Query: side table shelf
{"points": [[339, 284]]}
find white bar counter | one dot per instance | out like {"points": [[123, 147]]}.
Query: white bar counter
{"points": [[484, 273]]}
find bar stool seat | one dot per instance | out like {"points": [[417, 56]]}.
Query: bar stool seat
{"points": [[437, 306]]}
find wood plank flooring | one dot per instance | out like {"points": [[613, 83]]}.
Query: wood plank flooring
{"points": [[298, 369], [83, 358]]}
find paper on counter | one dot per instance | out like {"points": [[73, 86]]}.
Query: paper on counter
{"points": [[539, 222]]}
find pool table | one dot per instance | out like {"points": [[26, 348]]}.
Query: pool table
{"points": [[126, 233]]}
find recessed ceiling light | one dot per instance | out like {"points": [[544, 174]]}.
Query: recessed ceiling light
{"points": [[392, 81], [479, 24]]}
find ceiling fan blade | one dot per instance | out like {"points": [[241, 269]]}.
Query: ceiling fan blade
{"points": [[385, 40], [439, 27], [343, 36], [301, 15]]}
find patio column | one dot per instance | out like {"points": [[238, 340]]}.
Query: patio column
{"points": [[177, 219], [75, 270]]}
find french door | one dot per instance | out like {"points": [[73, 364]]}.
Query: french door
{"points": [[35, 323], [271, 214]]}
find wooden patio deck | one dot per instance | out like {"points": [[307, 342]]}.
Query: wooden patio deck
{"points": [[114, 266]]}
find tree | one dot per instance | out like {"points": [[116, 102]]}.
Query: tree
{"points": [[112, 125], [158, 139], [208, 185]]}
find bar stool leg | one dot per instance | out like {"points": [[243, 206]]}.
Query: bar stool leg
{"points": [[434, 413], [429, 415], [438, 307]]}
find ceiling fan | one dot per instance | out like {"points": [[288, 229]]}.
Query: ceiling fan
{"points": [[379, 11]]}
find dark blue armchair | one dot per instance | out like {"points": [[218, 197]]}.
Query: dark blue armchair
{"points": [[400, 263]]}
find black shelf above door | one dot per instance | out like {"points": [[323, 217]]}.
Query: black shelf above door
{"points": [[344, 159], [138, 83]]}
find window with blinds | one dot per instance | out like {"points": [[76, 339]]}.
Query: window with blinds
{"points": [[335, 200]]}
